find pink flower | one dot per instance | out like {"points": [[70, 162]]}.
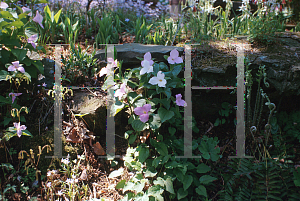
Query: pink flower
{"points": [[3, 5], [179, 101], [24, 9], [38, 18], [174, 57], [147, 57], [14, 95], [32, 40], [19, 128], [16, 66], [143, 112], [44, 84], [120, 92]]}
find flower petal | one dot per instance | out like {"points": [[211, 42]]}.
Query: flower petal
{"points": [[147, 107], [139, 110], [170, 60], [154, 80], [174, 53], [178, 60], [147, 56], [144, 118]]}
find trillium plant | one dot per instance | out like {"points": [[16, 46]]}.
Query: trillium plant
{"points": [[148, 95]]}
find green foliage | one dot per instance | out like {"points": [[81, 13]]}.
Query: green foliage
{"points": [[108, 32], [79, 65], [224, 112], [51, 22], [141, 29], [70, 30], [265, 180]]}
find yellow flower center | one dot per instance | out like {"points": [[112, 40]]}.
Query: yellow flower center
{"points": [[160, 80], [145, 112]]}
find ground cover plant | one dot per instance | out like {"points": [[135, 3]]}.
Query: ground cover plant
{"points": [[151, 169]]}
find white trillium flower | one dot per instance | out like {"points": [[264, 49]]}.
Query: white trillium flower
{"points": [[159, 80], [147, 68]]}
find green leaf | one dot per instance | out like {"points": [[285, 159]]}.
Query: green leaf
{"points": [[172, 130], [143, 154], [121, 184], [181, 194], [19, 53], [205, 179], [155, 123], [10, 42], [176, 70], [201, 190], [116, 173], [165, 114], [39, 66], [4, 56], [187, 181], [161, 147], [166, 103], [149, 173], [56, 16], [6, 121], [26, 132], [132, 138], [202, 168], [138, 125], [138, 187], [169, 185], [159, 181], [4, 100], [18, 24]]}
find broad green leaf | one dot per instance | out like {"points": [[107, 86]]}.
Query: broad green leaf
{"points": [[165, 114], [155, 190], [132, 138], [155, 123], [149, 173], [201, 190], [56, 16], [27, 133], [121, 184], [138, 125], [176, 70], [159, 181], [128, 186], [138, 187], [116, 173], [6, 121], [187, 181], [205, 179], [143, 154], [169, 185], [47, 12], [181, 194], [4, 57], [18, 24], [202, 168], [172, 130], [4, 100], [6, 14], [19, 53], [161, 147]]}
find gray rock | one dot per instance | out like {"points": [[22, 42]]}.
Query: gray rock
{"points": [[129, 51]]}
